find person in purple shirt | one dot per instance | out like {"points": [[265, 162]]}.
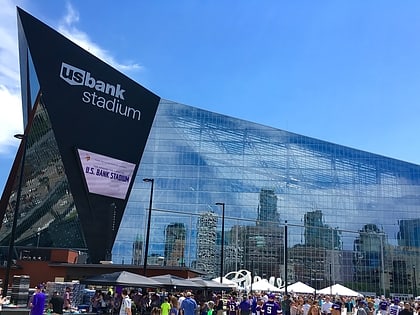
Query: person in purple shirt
{"points": [[336, 308], [271, 307], [38, 301], [383, 307], [254, 304], [245, 306], [232, 306]]}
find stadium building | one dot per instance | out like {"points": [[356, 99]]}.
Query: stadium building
{"points": [[92, 135]]}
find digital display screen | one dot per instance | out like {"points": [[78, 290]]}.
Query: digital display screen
{"points": [[105, 175]]}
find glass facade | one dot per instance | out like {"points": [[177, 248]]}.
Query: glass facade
{"points": [[352, 216], [294, 206], [47, 213]]}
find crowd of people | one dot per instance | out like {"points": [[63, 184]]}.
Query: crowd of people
{"points": [[186, 303], [134, 302]]}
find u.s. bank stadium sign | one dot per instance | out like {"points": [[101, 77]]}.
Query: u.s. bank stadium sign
{"points": [[105, 175], [101, 94]]}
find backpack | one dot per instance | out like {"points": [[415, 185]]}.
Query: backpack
{"points": [[361, 311], [133, 308]]}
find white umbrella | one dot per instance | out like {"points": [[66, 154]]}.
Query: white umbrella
{"points": [[263, 285], [338, 289], [299, 287]]}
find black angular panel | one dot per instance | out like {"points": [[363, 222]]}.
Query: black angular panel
{"points": [[91, 107]]}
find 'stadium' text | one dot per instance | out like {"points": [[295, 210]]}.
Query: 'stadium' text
{"points": [[111, 104]]}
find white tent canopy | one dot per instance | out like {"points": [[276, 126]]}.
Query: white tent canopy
{"points": [[263, 285], [299, 287], [338, 289]]}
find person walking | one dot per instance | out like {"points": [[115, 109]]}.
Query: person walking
{"points": [[188, 305], [271, 307], [407, 310], [174, 306], [232, 306], [286, 304], [67, 299], [96, 301], [245, 306], [165, 307], [56, 303], [38, 301], [211, 310], [219, 305], [115, 303], [3, 299], [125, 308], [314, 309], [326, 306]]}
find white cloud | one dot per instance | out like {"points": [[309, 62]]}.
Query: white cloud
{"points": [[67, 28], [10, 120], [10, 103]]}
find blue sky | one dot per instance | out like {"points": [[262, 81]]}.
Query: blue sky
{"points": [[347, 72]]}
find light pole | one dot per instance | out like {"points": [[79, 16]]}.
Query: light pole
{"points": [[285, 258], [414, 282], [112, 212], [222, 239], [146, 246], [382, 238], [22, 137], [252, 273]]}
